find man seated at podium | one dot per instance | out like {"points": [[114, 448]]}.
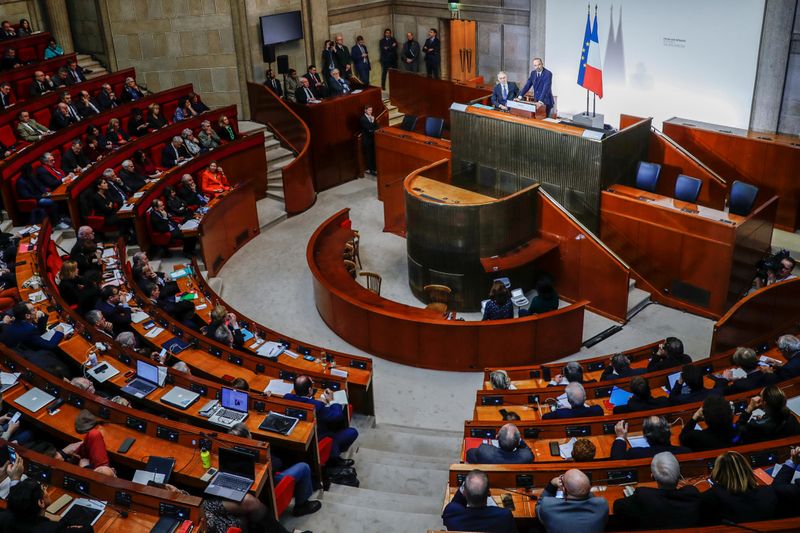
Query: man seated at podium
{"points": [[541, 81], [503, 91], [338, 85], [304, 94]]}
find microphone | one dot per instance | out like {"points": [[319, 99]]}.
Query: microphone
{"points": [[731, 523]]}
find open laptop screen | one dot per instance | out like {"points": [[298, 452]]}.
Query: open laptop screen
{"points": [[234, 399], [238, 463], [147, 371]]}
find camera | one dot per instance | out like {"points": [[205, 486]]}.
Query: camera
{"points": [[772, 263]]}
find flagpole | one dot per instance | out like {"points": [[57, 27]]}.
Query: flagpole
{"points": [[594, 95], [588, 14], [587, 102]]}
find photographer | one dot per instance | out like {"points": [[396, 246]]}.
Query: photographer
{"points": [[777, 267]]}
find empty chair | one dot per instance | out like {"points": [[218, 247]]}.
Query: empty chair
{"points": [[434, 126], [687, 188], [350, 266], [438, 298], [743, 196], [647, 176], [373, 281], [409, 123]]}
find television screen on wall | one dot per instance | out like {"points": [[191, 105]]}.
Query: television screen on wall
{"points": [[281, 28]]}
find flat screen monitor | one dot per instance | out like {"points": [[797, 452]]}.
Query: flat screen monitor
{"points": [[281, 28]]}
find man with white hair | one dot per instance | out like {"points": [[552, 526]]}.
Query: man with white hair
{"points": [[338, 85], [85, 252], [467, 511], [789, 345], [131, 92], [174, 153], [577, 510], [132, 179], [663, 507], [504, 90], [510, 449], [656, 431], [576, 396]]}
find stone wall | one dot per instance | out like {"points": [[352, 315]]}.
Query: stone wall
{"points": [[15, 10], [789, 121], [368, 19], [87, 30], [296, 50]]}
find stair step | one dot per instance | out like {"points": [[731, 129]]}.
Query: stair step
{"points": [[377, 499], [277, 180], [365, 455], [249, 126], [276, 196], [216, 285], [279, 164], [270, 143], [341, 517], [270, 212], [277, 153], [275, 175], [396, 121], [388, 438], [401, 479], [80, 56], [637, 298]]}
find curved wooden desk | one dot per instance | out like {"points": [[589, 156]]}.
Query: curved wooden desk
{"points": [[414, 336]]}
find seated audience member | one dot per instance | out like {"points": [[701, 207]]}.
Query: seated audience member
{"points": [[338, 85], [292, 83], [94, 148], [61, 118], [209, 139], [187, 191], [789, 345], [131, 92], [467, 511], [197, 103], [719, 432], [300, 472], [510, 416], [155, 120], [176, 207], [191, 142], [213, 180], [53, 50], [330, 417], [103, 204], [669, 355], [510, 449], [503, 91], [73, 160], [767, 417], [7, 31], [84, 384], [583, 450], [184, 110], [10, 60], [114, 310], [95, 318], [86, 105], [75, 71], [70, 284], [29, 188], [735, 495], [689, 387], [499, 306], [657, 432], [225, 129], [85, 252], [788, 493], [304, 94], [747, 360], [91, 452], [137, 125], [24, 333], [573, 372], [90, 295], [576, 396], [577, 510], [221, 318], [271, 83], [127, 339], [28, 129], [620, 368], [641, 400], [48, 175], [662, 507], [26, 504], [315, 81], [546, 298], [145, 273], [161, 223], [249, 515], [115, 135], [500, 380], [61, 79], [6, 95], [107, 98], [24, 29], [42, 84], [130, 177], [174, 152]]}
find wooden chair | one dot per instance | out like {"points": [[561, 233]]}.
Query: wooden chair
{"points": [[438, 297], [351, 267], [354, 243], [373, 281]]}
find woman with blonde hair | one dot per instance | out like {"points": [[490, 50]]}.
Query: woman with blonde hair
{"points": [[735, 495], [70, 284], [500, 380]]}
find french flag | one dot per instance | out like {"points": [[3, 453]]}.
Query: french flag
{"points": [[590, 71]]}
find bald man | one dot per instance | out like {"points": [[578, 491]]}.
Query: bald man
{"points": [[467, 511], [578, 510], [510, 449]]}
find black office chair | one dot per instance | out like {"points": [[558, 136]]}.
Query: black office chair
{"points": [[647, 176], [687, 188], [434, 127], [743, 197], [409, 123]]}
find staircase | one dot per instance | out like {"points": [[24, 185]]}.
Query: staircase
{"points": [[88, 62], [395, 116], [403, 472], [277, 158], [637, 298]]}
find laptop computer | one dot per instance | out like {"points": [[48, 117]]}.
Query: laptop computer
{"points": [[146, 380], [237, 473], [180, 397], [103, 372], [34, 399], [161, 465], [233, 408]]}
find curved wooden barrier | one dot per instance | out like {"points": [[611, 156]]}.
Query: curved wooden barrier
{"points": [[417, 337], [759, 317], [298, 176]]}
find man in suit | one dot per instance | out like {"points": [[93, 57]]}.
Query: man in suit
{"points": [[85, 253], [360, 58], [315, 82], [573, 372], [75, 72], [132, 179], [27, 328], [86, 106], [61, 79], [29, 188], [107, 99], [6, 96], [641, 400], [74, 159], [576, 396], [41, 84], [657, 432], [368, 128], [61, 118], [271, 83], [47, 174], [28, 129], [467, 511], [117, 313], [663, 507], [174, 153], [503, 91], [620, 368], [341, 55], [541, 81], [388, 55], [304, 94], [689, 387], [131, 92], [410, 54], [71, 107], [96, 319], [332, 419], [755, 378], [7, 31], [431, 49], [669, 355], [187, 191], [789, 345], [161, 223], [577, 510], [338, 85], [510, 449]]}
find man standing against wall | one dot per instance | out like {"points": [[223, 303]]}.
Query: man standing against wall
{"points": [[432, 53], [342, 57], [388, 55], [410, 54]]}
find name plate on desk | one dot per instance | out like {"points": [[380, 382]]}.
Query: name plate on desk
{"points": [[525, 109]]}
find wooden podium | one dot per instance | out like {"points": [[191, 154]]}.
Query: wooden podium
{"points": [[526, 109]]}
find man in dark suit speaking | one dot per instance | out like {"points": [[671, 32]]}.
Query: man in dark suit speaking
{"points": [[541, 81], [504, 90]]}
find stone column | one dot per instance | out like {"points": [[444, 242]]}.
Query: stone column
{"points": [[59, 24]]}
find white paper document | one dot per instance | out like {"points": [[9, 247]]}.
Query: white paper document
{"points": [[279, 387]]}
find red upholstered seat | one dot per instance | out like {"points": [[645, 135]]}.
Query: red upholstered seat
{"points": [[325, 447], [284, 491]]}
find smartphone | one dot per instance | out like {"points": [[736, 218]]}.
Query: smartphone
{"points": [[555, 450], [309, 358], [148, 325], [16, 417], [12, 454]]}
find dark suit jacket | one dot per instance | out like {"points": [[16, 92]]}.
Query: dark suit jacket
{"points": [[341, 55], [559, 515], [76, 75], [542, 87], [275, 85], [313, 81], [170, 155], [11, 522], [71, 161], [85, 110], [458, 517], [790, 369], [432, 48], [120, 317], [132, 179], [411, 50], [159, 223], [104, 206], [699, 441], [619, 450], [717, 504], [634, 405], [5, 100], [491, 455], [608, 373], [497, 94], [189, 197], [369, 128], [131, 95], [301, 96], [388, 56], [676, 397], [338, 87], [39, 88], [362, 60], [30, 188], [105, 101], [328, 416], [25, 334], [754, 380], [575, 412], [655, 508], [46, 179], [668, 362], [59, 121]]}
